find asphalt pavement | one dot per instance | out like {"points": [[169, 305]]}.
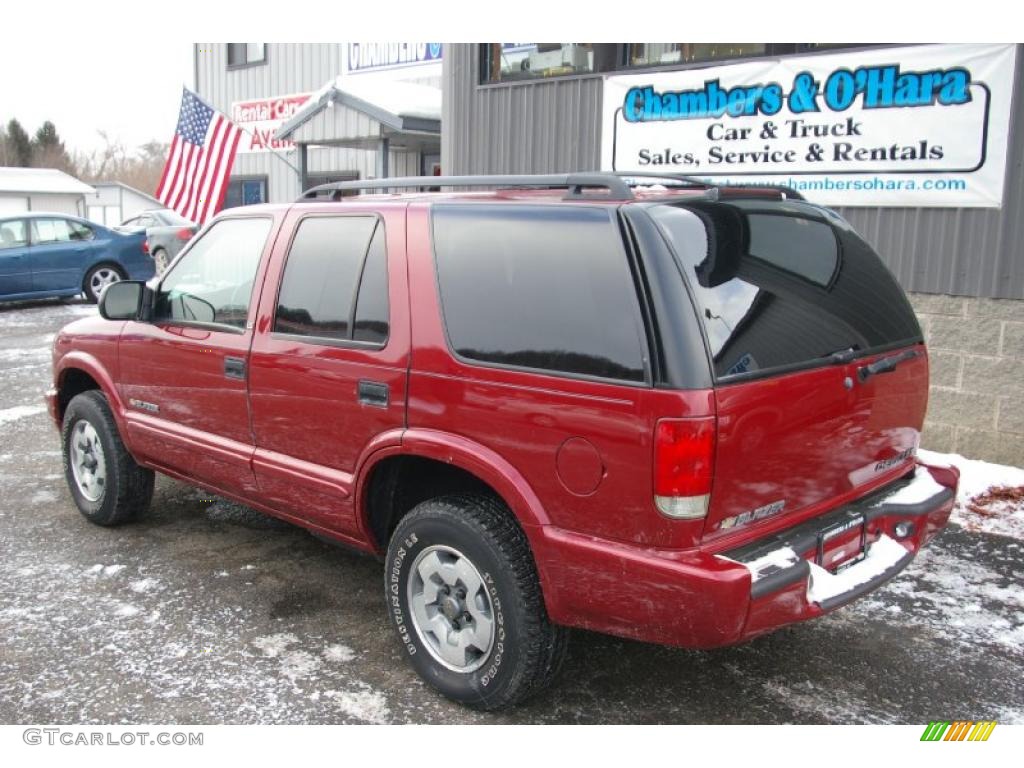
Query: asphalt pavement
{"points": [[207, 612]]}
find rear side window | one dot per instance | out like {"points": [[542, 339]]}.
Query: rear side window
{"points": [[783, 285], [335, 281], [539, 287]]}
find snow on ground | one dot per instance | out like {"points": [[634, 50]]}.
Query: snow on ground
{"points": [[8, 415], [977, 477]]}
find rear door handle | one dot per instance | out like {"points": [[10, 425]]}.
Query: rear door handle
{"points": [[234, 367], [373, 393]]}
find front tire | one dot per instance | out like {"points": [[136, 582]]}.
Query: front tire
{"points": [[463, 593], [107, 485], [99, 278], [160, 261]]}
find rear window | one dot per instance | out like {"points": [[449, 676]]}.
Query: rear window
{"points": [[547, 288], [783, 285]]}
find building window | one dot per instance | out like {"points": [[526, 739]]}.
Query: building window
{"points": [[331, 177], [246, 191], [246, 54], [501, 62]]}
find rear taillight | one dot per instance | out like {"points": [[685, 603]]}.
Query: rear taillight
{"points": [[145, 245], [184, 234], [684, 461]]}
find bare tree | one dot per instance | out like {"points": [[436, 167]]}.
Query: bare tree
{"points": [[113, 162]]}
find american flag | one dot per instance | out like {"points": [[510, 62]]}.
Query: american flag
{"points": [[195, 178]]}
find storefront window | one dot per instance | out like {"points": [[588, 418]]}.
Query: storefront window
{"points": [[246, 192], [658, 54], [527, 61]]}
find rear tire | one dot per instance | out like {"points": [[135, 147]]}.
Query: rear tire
{"points": [[463, 593], [108, 487], [99, 278]]}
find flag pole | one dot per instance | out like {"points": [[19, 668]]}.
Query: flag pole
{"points": [[245, 131]]}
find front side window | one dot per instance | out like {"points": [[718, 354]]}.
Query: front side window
{"points": [[546, 288], [335, 281], [212, 282], [13, 234]]}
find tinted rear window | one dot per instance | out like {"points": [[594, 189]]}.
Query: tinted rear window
{"points": [[782, 285], [539, 287]]}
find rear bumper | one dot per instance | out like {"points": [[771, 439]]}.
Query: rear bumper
{"points": [[700, 599]]}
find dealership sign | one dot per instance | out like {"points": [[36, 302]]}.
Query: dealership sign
{"points": [[914, 126], [369, 57], [259, 120]]}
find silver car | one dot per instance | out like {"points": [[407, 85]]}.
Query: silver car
{"points": [[167, 232]]}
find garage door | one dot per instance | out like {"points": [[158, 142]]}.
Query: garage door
{"points": [[11, 204]]}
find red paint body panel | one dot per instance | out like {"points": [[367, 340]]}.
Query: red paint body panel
{"points": [[808, 439], [572, 458], [308, 424]]}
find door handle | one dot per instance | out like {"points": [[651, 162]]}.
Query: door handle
{"points": [[373, 393], [234, 367]]}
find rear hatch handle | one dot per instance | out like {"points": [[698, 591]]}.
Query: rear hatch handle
{"points": [[885, 364]]}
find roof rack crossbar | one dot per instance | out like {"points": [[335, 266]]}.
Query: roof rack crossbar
{"points": [[574, 183]]}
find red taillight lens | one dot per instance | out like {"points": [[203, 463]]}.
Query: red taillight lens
{"points": [[185, 234], [145, 245], [684, 461]]}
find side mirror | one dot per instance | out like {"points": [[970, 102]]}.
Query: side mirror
{"points": [[123, 300]]}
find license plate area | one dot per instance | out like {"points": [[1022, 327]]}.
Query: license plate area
{"points": [[842, 545]]}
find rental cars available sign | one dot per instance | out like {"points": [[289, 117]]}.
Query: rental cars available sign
{"points": [[259, 120], [911, 126]]}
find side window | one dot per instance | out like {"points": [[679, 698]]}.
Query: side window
{"points": [[539, 287], [212, 283], [80, 231], [333, 281], [12, 234], [50, 231]]}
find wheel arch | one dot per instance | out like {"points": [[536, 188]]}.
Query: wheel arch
{"points": [[79, 372], [445, 459]]}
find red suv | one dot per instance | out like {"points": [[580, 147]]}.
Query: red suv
{"points": [[648, 407]]}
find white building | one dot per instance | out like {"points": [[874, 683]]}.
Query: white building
{"points": [[112, 202], [41, 189]]}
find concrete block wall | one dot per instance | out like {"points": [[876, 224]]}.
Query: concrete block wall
{"points": [[976, 403]]}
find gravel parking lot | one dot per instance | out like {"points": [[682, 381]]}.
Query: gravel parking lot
{"points": [[206, 612]]}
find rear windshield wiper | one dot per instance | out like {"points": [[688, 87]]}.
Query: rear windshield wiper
{"points": [[885, 364]]}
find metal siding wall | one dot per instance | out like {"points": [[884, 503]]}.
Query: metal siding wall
{"points": [[555, 126], [290, 68]]}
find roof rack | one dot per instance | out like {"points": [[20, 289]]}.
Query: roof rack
{"points": [[575, 183], [617, 184]]}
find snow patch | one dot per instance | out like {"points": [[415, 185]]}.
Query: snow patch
{"points": [[976, 477], [143, 585], [273, 646], [42, 497], [921, 488], [881, 556], [296, 664], [7, 415], [339, 653], [125, 610], [113, 570], [369, 706]]}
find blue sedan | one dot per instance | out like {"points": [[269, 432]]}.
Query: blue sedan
{"points": [[45, 255]]}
